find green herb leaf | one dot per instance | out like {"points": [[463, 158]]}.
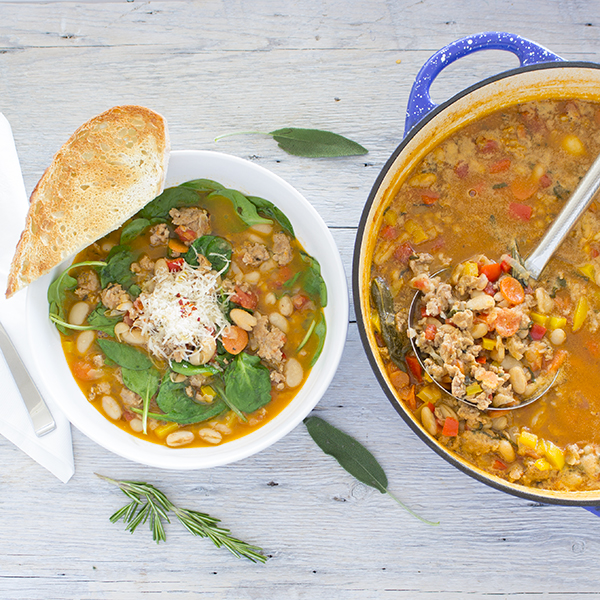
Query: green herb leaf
{"points": [[118, 267], [217, 249], [174, 197], [268, 209], [321, 332], [315, 143], [133, 229], [313, 283], [243, 207], [247, 383], [203, 185], [144, 384], [186, 368], [125, 356], [353, 457], [99, 321], [178, 407]]}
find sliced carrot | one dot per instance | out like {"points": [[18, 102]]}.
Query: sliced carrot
{"points": [[177, 246], [84, 371], [512, 290], [399, 379], [234, 339], [407, 395]]}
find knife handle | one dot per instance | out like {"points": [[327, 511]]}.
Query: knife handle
{"points": [[41, 418]]}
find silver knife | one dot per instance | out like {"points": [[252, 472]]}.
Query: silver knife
{"points": [[42, 419]]}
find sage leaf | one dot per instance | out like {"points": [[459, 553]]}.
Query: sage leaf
{"points": [[353, 457], [315, 143], [124, 355], [243, 207]]}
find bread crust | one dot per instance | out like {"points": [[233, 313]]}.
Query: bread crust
{"points": [[107, 171]]}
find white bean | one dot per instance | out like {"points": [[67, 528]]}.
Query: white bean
{"points": [[111, 407], [136, 425], [210, 435], [161, 267], [253, 277], [133, 337], [279, 321], [479, 330], [428, 420], [518, 379], [268, 266], [544, 301], [243, 319], [558, 337], [294, 373], [84, 340], [285, 305], [78, 313], [180, 438], [482, 302], [205, 352], [120, 329], [506, 450], [263, 228], [270, 298]]}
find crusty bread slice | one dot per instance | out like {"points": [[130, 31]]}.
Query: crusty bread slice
{"points": [[110, 168]]}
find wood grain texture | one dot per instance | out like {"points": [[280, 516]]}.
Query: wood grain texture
{"points": [[215, 67]]}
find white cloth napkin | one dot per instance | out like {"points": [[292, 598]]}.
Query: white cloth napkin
{"points": [[54, 451]]}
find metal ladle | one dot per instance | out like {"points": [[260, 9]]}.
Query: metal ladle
{"points": [[535, 263]]}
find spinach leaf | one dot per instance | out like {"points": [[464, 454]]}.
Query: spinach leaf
{"points": [[118, 267], [57, 292], [353, 457], [217, 249], [99, 321], [243, 207], [178, 407], [268, 209], [247, 383], [144, 384], [133, 229], [124, 355], [320, 331], [203, 185], [313, 281], [186, 368], [315, 143], [173, 197]]}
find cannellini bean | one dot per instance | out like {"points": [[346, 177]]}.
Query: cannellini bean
{"points": [[506, 450], [294, 373], [558, 337], [263, 228], [161, 267], [78, 313], [222, 428], [499, 423], [136, 425], [544, 302], [254, 238], [270, 298], [133, 337], [518, 379], [243, 319], [268, 266], [107, 246], [84, 340], [253, 277], [111, 407], [285, 305], [481, 302], [205, 353], [479, 330], [120, 329], [210, 435], [509, 362], [428, 420], [279, 321], [179, 438]]}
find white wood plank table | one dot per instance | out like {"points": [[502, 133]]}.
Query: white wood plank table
{"points": [[213, 67]]}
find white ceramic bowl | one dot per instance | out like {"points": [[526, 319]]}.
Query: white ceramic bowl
{"points": [[312, 233]]}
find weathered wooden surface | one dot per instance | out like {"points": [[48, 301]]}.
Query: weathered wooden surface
{"points": [[217, 67]]}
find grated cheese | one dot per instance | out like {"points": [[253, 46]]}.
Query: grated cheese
{"points": [[181, 313]]}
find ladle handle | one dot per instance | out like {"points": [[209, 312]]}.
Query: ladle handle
{"points": [[569, 215]]}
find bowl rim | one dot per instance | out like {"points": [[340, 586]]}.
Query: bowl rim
{"points": [[248, 177], [583, 498]]}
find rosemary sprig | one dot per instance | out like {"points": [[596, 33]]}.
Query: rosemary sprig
{"points": [[150, 504]]}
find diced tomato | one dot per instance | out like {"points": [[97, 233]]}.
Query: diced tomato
{"points": [[522, 189], [498, 464], [491, 271], [415, 368], [299, 301], [520, 211], [545, 180], [505, 266], [388, 232], [430, 331], [403, 252], [244, 299], [175, 264], [557, 361], [489, 289], [424, 311], [450, 428], [488, 146], [185, 234], [284, 274], [128, 415], [500, 166], [537, 331], [84, 371], [429, 197], [422, 283], [481, 360], [594, 252], [461, 170]]}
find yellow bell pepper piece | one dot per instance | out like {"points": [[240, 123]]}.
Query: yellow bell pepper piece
{"points": [[208, 393], [488, 344], [390, 217], [589, 271], [430, 393], [416, 231], [557, 322], [375, 321], [555, 455], [162, 431], [471, 268], [539, 319], [528, 439], [473, 389], [542, 464], [581, 311]]}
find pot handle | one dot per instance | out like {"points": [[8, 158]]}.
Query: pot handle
{"points": [[419, 101]]}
